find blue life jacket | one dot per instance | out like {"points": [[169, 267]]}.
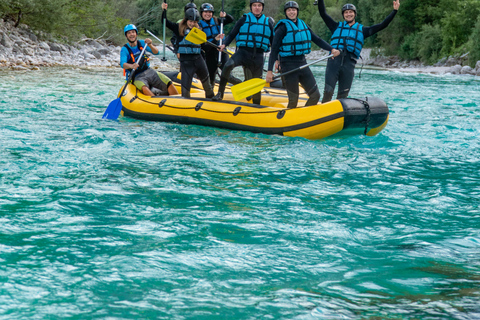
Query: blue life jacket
{"points": [[297, 41], [349, 38], [211, 29], [255, 33], [134, 56], [187, 47]]}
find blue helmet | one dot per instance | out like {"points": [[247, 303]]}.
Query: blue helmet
{"points": [[207, 7], [129, 27]]}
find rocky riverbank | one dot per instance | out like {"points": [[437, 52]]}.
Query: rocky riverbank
{"points": [[452, 65], [23, 49]]}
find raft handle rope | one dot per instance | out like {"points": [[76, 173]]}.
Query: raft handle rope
{"points": [[162, 103], [367, 117], [197, 107]]}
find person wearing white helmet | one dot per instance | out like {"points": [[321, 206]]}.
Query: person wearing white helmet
{"points": [[292, 41], [254, 35], [146, 79], [347, 36], [191, 60]]}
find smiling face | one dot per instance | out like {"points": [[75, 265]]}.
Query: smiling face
{"points": [[191, 24], [291, 13], [349, 15], [131, 36], [257, 8], [207, 15]]}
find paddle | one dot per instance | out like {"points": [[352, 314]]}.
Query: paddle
{"points": [[221, 31], [164, 32], [252, 86], [169, 48], [115, 107], [197, 36]]}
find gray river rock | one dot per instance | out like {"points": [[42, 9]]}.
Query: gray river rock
{"points": [[22, 49]]}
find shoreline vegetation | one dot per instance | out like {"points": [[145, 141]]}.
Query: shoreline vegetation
{"points": [[23, 49]]}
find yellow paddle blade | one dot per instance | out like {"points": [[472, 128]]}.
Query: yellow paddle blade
{"points": [[247, 88], [196, 36]]}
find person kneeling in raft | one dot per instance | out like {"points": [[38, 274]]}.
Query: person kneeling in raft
{"points": [[146, 80], [292, 41]]}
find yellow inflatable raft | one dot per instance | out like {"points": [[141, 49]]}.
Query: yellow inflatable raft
{"points": [[350, 116]]}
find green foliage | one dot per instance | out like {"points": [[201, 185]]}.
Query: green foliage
{"points": [[69, 19], [428, 43], [426, 29], [474, 44]]}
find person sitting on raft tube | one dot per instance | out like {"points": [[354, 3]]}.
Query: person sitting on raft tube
{"points": [[210, 24], [254, 35], [191, 60], [292, 41], [347, 36], [146, 80]]}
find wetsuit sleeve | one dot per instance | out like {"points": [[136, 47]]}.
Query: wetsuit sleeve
{"points": [[169, 24], [280, 33], [370, 31], [228, 19], [123, 56], [272, 28], [331, 24], [320, 42], [234, 31]]}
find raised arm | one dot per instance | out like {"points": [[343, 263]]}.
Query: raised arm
{"points": [[331, 24], [370, 31]]}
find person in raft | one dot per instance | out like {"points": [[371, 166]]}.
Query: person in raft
{"points": [[210, 24], [347, 36], [147, 80], [173, 39], [254, 35], [292, 41], [191, 60]]}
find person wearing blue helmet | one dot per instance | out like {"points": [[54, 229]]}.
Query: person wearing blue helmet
{"points": [[147, 80], [210, 24], [347, 36]]}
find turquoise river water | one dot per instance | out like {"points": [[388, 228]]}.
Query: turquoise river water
{"points": [[141, 220]]}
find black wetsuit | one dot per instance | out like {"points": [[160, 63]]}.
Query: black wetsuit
{"points": [[342, 68], [190, 64], [250, 58], [211, 56], [304, 76]]}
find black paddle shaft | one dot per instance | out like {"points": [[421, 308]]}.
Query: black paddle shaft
{"points": [[302, 67]]}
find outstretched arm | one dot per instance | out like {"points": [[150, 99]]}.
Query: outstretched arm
{"points": [[331, 24], [370, 31]]}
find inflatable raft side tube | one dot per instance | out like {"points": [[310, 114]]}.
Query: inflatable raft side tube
{"points": [[367, 113], [229, 125]]}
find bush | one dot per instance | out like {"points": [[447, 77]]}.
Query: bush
{"points": [[407, 48], [428, 43], [474, 45]]}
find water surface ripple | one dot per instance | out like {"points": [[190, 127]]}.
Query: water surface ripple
{"points": [[142, 220]]}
